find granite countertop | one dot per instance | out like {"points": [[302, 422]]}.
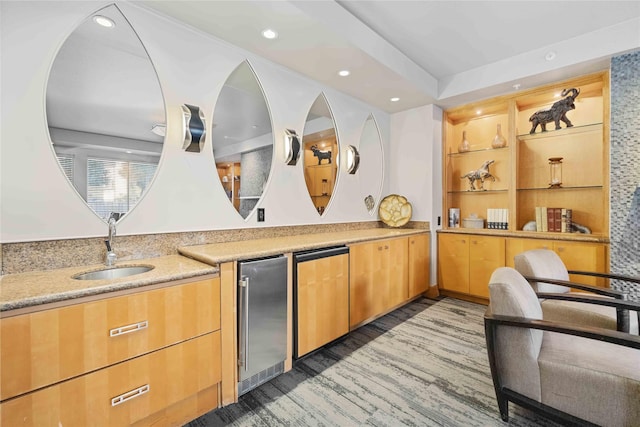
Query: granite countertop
{"points": [[42, 287], [215, 253], [577, 237]]}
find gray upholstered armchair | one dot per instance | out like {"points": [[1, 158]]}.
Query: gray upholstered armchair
{"points": [[549, 278], [575, 375]]}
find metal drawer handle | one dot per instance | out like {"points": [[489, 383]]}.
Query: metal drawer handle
{"points": [[130, 395], [129, 328]]}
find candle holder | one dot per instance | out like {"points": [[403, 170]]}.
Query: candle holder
{"points": [[555, 172]]}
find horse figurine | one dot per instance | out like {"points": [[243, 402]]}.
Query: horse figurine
{"points": [[321, 154], [480, 175]]}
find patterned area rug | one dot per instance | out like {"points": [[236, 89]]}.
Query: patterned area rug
{"points": [[425, 364]]}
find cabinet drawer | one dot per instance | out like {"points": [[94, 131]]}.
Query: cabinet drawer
{"points": [[125, 393], [45, 347]]}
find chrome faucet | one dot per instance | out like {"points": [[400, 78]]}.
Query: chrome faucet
{"points": [[110, 259]]}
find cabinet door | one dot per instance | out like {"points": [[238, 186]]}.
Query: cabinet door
{"points": [[515, 246], [53, 345], [127, 392], [485, 255], [393, 285], [323, 302], [364, 267], [453, 262], [379, 278], [418, 264], [583, 256]]}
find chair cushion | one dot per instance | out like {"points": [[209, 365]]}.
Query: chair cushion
{"points": [[593, 380], [583, 314], [517, 349], [542, 263]]}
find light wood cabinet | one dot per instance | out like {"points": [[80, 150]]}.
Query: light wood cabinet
{"points": [[585, 256], [466, 262], [379, 278], [453, 262], [419, 260], [322, 313], [60, 363], [521, 168], [128, 392]]}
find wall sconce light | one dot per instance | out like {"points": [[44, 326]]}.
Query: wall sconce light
{"points": [[194, 128], [291, 147], [353, 159]]}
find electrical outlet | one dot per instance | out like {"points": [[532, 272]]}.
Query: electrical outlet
{"points": [[260, 214]]}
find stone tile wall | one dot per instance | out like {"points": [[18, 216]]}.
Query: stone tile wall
{"points": [[625, 169]]}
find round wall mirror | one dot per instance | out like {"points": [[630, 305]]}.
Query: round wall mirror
{"points": [[320, 145], [370, 173], [105, 113], [242, 139]]}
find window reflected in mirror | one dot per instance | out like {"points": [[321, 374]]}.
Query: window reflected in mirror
{"points": [[321, 150], [242, 139], [105, 113]]}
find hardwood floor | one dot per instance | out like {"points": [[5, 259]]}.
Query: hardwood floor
{"points": [[425, 364]]}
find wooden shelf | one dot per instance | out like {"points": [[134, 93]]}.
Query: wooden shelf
{"points": [[521, 168], [477, 191], [593, 127], [483, 151]]}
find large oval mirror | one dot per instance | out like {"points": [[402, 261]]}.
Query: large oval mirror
{"points": [[371, 164], [105, 113], [320, 144], [242, 139]]}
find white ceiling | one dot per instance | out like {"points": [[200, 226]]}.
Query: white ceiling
{"points": [[443, 52]]}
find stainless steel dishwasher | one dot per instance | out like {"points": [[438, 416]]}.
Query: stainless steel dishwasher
{"points": [[262, 320]]}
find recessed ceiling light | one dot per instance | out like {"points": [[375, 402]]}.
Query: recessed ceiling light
{"points": [[394, 99], [128, 151], [104, 21], [344, 73], [550, 56], [269, 34]]}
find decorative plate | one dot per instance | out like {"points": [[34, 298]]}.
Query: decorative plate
{"points": [[395, 210]]}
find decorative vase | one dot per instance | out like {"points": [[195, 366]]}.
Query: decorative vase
{"points": [[499, 141], [464, 145]]}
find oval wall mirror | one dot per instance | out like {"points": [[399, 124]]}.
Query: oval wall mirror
{"points": [[320, 144], [105, 113], [370, 173], [242, 139]]}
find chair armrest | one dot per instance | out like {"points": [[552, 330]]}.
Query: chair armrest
{"points": [[591, 299], [599, 334], [622, 295], [622, 307], [606, 275]]}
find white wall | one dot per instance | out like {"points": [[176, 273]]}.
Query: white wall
{"points": [[416, 166], [38, 203]]}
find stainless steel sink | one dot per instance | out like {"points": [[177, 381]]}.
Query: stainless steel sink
{"points": [[114, 272]]}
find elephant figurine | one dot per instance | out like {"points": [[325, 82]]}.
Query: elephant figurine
{"points": [[557, 112]]}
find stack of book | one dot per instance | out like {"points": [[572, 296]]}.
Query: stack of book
{"points": [[553, 219], [498, 219]]}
